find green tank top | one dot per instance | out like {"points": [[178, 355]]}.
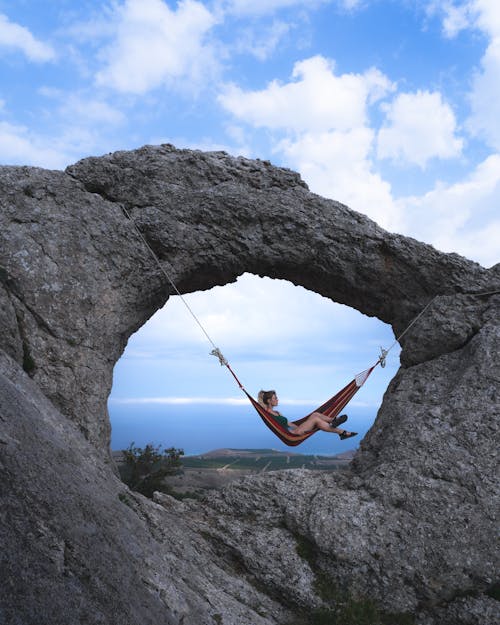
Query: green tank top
{"points": [[281, 420]]}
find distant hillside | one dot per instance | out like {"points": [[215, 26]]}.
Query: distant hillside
{"points": [[219, 467], [218, 453], [259, 460]]}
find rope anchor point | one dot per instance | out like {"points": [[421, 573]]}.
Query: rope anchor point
{"points": [[218, 354], [383, 356]]}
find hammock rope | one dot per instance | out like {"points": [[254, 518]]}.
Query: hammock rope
{"points": [[216, 351], [384, 352], [331, 407]]}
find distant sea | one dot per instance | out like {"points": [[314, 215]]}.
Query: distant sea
{"points": [[201, 428]]}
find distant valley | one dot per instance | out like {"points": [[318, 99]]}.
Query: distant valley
{"points": [[219, 467]]}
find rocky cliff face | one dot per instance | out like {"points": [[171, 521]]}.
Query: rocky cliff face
{"points": [[410, 524]]}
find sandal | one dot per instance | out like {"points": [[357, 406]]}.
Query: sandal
{"points": [[345, 434], [334, 423]]}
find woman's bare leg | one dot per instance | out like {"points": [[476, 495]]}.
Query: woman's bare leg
{"points": [[315, 420], [322, 416]]}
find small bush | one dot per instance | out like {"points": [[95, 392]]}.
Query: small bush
{"points": [[144, 469]]}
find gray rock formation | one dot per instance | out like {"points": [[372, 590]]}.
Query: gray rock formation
{"points": [[79, 548], [410, 525]]}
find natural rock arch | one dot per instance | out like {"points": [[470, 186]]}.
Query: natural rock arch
{"points": [[76, 282], [80, 280]]}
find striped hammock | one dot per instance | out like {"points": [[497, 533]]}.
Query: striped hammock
{"points": [[330, 408]]}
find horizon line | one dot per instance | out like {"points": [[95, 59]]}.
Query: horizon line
{"points": [[228, 401]]}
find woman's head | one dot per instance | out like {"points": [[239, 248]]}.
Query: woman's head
{"points": [[265, 397]]}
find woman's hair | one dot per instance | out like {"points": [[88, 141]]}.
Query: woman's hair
{"points": [[264, 397]]}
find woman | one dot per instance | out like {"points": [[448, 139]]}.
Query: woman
{"points": [[269, 401]]}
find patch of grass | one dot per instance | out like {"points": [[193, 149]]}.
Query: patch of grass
{"points": [[355, 612], [344, 609], [341, 607], [328, 591], [124, 499]]}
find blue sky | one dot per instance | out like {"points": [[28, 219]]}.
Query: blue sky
{"points": [[388, 106]]}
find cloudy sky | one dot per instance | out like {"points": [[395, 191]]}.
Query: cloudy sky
{"points": [[390, 106]]}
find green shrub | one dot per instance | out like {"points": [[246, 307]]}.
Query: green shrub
{"points": [[144, 469]]}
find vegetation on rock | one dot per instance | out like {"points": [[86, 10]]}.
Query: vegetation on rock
{"points": [[144, 469]]}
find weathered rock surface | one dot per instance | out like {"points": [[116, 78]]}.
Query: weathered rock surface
{"points": [[79, 548], [411, 524]]}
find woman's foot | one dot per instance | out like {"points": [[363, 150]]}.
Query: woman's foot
{"points": [[334, 423], [345, 434]]}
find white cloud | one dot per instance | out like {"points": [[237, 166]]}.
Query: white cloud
{"points": [[483, 15], [268, 329], [455, 17], [84, 109], [421, 127], [316, 100], [246, 8], [337, 165], [487, 16], [327, 137], [455, 20], [230, 315], [263, 7], [16, 37], [218, 401], [155, 45], [484, 120], [19, 146], [262, 42], [77, 125], [461, 217], [176, 401]]}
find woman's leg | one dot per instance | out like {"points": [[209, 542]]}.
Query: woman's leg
{"points": [[315, 420], [321, 416]]}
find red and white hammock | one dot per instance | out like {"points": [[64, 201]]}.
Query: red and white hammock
{"points": [[331, 408]]}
